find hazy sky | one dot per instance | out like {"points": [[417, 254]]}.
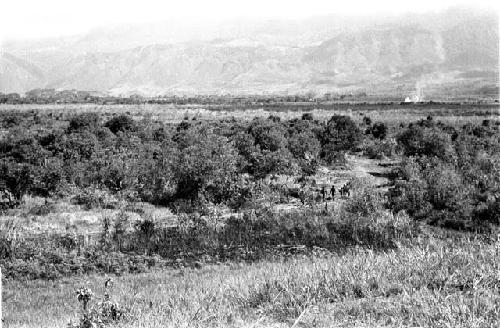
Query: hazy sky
{"points": [[27, 19]]}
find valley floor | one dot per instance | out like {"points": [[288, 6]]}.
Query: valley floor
{"points": [[424, 277]]}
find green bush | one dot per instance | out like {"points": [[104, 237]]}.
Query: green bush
{"points": [[16, 180], [412, 197], [208, 167], [121, 123], [95, 198], [305, 148], [380, 149], [379, 131], [269, 134], [422, 141], [364, 202], [448, 183], [11, 119], [341, 134], [307, 117], [84, 121]]}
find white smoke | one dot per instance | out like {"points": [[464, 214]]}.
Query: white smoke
{"points": [[419, 87], [418, 95]]}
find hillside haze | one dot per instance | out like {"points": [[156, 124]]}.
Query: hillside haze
{"points": [[448, 53]]}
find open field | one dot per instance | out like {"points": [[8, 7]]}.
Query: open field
{"points": [[392, 114]]}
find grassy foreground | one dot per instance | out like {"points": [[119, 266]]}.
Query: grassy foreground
{"points": [[434, 283]]}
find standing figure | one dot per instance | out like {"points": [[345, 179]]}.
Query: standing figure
{"points": [[285, 191], [345, 190], [332, 191]]}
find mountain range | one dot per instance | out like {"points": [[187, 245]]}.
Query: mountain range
{"points": [[454, 51]]}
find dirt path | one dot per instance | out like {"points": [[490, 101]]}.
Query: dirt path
{"points": [[365, 167], [375, 171]]}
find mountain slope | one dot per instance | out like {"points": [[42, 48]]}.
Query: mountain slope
{"points": [[275, 56], [18, 74]]}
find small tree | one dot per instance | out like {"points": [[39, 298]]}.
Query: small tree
{"points": [[268, 134], [123, 123], [304, 145], [15, 181], [422, 141], [307, 117], [207, 166], [340, 135], [379, 130]]}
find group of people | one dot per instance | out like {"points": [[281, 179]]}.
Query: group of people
{"points": [[324, 193], [345, 190]]}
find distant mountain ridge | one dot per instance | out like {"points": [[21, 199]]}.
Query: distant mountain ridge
{"points": [[324, 56]]}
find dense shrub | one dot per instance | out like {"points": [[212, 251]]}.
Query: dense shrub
{"points": [[11, 119], [15, 181], [452, 182], [121, 123], [91, 198], [340, 134], [380, 149], [208, 167], [364, 203], [379, 131], [422, 141], [164, 163], [439, 198], [84, 121], [269, 134], [412, 197], [307, 116], [304, 145], [273, 162], [306, 148], [77, 146]]}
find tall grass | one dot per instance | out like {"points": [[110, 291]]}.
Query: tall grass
{"points": [[434, 283]]}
